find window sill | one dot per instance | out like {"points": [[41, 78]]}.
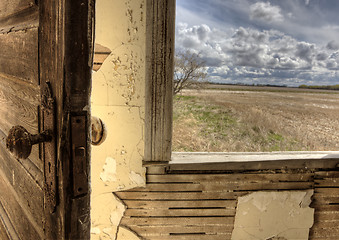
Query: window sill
{"points": [[214, 161]]}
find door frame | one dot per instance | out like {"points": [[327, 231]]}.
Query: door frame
{"points": [[160, 38], [66, 33]]}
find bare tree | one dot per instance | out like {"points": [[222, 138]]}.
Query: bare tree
{"points": [[188, 71]]}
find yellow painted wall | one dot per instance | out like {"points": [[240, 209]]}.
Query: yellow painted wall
{"points": [[118, 98]]}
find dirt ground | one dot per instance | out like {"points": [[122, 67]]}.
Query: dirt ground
{"points": [[310, 117]]}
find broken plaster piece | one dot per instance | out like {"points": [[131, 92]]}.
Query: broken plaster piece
{"points": [[274, 215], [109, 171], [137, 178], [118, 212]]}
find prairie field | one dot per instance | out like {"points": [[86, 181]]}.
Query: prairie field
{"points": [[250, 119]]}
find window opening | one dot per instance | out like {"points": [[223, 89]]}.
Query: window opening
{"points": [[269, 79]]}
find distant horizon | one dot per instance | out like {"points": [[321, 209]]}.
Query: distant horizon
{"points": [[290, 42], [269, 84]]}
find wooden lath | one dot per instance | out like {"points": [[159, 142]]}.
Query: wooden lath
{"points": [[202, 204], [100, 55], [326, 204]]}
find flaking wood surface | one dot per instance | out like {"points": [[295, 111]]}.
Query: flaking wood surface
{"points": [[159, 79], [201, 204], [18, 15], [19, 54], [12, 7], [21, 181]]}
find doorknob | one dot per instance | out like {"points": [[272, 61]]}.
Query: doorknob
{"points": [[19, 141], [99, 132]]}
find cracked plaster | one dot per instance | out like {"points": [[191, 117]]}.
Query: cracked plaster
{"points": [[118, 99]]}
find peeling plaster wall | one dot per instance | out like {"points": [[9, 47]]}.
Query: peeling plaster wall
{"points": [[118, 98], [274, 215]]}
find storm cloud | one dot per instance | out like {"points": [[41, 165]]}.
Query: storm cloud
{"points": [[264, 11], [268, 49], [257, 54]]}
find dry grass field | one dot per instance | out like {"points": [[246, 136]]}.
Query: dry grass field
{"points": [[254, 120]]}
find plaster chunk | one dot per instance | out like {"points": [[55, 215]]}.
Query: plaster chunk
{"points": [[107, 211], [137, 178], [274, 215], [118, 213], [109, 170]]}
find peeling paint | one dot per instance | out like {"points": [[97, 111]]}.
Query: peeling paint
{"points": [[109, 171], [274, 215], [117, 214], [137, 178], [118, 98]]}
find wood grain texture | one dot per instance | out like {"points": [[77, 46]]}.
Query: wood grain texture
{"points": [[7, 231], [326, 205], [23, 183], [66, 28], [19, 54], [100, 55], [52, 57], [225, 186], [79, 47], [257, 165], [192, 237], [9, 8], [184, 204], [21, 19], [21, 180], [159, 79], [178, 221], [25, 226], [3, 232], [234, 177], [19, 106], [167, 230], [177, 195], [179, 212], [166, 204]]}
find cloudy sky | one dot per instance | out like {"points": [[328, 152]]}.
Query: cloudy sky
{"points": [[285, 42]]}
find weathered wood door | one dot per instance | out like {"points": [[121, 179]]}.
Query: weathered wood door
{"points": [[45, 78]]}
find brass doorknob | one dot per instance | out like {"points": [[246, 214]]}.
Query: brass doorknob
{"points": [[98, 129], [19, 141]]}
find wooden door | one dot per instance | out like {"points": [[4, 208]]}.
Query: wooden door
{"points": [[45, 80]]}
